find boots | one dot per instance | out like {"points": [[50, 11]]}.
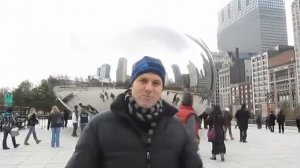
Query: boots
{"points": [[222, 157], [38, 141], [16, 145], [26, 143], [213, 157]]}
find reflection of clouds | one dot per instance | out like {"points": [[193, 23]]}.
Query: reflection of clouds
{"points": [[170, 46]]}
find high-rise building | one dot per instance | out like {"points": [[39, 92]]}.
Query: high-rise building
{"points": [[296, 28], [177, 74], [121, 75], [104, 71], [252, 25]]}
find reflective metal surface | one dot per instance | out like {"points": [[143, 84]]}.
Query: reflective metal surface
{"points": [[187, 60]]}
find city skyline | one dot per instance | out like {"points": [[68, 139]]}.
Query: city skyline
{"points": [[40, 38]]}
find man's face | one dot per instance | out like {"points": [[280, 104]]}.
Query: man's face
{"points": [[147, 89]]}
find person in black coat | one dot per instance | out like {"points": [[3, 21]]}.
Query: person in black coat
{"points": [[298, 123], [216, 120], [242, 116], [281, 121], [66, 116], [272, 119], [258, 122], [204, 117], [139, 130], [32, 121]]}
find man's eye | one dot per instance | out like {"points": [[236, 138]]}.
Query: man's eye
{"points": [[156, 83], [143, 80]]}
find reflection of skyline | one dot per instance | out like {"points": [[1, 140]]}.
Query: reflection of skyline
{"points": [[121, 74]]}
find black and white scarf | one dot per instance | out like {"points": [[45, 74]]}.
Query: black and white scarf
{"points": [[149, 116]]}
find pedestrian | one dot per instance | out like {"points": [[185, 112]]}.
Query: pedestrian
{"points": [[242, 116], [112, 96], [66, 116], [258, 122], [281, 121], [56, 122], [298, 123], [188, 117], [216, 120], [174, 98], [272, 119], [8, 122], [91, 110], [102, 97], [31, 122], [267, 121], [177, 101], [83, 118], [139, 130], [75, 117], [204, 117], [227, 123]]}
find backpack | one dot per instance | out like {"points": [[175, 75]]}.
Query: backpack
{"points": [[184, 118]]}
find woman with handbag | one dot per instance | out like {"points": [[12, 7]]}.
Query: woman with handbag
{"points": [[32, 121], [215, 121], [8, 121]]}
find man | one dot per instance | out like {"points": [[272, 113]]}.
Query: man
{"points": [[227, 123], [242, 116], [75, 117], [298, 123], [272, 119], [188, 117], [281, 121], [8, 121], [66, 116], [83, 118], [139, 130], [258, 122], [204, 117]]}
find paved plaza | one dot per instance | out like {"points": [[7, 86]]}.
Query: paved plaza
{"points": [[263, 150]]}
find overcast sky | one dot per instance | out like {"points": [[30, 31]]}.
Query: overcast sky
{"points": [[39, 38]]}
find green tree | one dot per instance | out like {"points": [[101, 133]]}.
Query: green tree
{"points": [[23, 94], [43, 96]]}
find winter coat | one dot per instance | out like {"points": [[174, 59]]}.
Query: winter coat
{"points": [[280, 118], [75, 117], [8, 121], [272, 119], [216, 120], [32, 120], [242, 116], [55, 120], [114, 139], [188, 117], [227, 118]]}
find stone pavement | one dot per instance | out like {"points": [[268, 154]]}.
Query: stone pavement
{"points": [[263, 150]]}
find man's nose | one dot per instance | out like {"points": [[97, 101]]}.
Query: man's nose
{"points": [[149, 87]]}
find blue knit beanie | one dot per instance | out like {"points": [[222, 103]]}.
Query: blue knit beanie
{"points": [[148, 64]]}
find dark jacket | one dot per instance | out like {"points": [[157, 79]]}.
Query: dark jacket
{"points": [[113, 139], [242, 116], [216, 120], [8, 121], [55, 120], [227, 118], [32, 120], [272, 119], [280, 118]]}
